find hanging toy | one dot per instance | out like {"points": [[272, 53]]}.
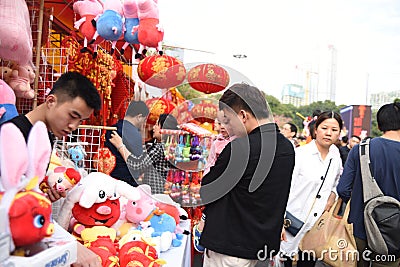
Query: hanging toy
{"points": [[186, 149], [195, 149], [110, 24], [77, 154], [150, 33], [131, 20], [88, 10], [179, 150]]}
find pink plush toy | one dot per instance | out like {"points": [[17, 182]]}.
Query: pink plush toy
{"points": [[7, 103], [145, 212], [150, 33], [23, 167], [88, 10], [20, 81], [131, 21], [15, 32]]}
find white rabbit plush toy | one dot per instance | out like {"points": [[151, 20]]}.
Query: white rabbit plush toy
{"points": [[23, 167]]}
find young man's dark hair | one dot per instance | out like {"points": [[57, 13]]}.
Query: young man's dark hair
{"points": [[388, 117], [293, 128], [73, 84], [246, 97]]}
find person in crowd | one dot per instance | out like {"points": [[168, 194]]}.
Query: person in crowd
{"points": [[245, 193], [221, 140], [315, 176], [130, 128], [384, 157], [311, 125], [289, 130], [344, 141], [344, 150], [152, 161], [72, 99], [217, 126]]}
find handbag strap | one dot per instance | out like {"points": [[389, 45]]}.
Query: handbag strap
{"points": [[323, 178], [319, 190], [370, 187]]}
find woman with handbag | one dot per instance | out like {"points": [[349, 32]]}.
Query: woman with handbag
{"points": [[315, 176]]}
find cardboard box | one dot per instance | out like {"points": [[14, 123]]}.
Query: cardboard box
{"points": [[62, 251]]}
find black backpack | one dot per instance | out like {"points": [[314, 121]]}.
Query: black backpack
{"points": [[381, 213]]}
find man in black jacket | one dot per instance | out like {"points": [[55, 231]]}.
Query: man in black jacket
{"points": [[246, 192]]}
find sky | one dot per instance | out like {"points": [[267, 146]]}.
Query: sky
{"points": [[277, 36]]}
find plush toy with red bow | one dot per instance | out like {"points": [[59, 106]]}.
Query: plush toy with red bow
{"points": [[88, 10], [150, 32], [61, 178], [22, 168]]}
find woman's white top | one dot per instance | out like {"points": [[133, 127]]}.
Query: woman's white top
{"points": [[307, 176]]}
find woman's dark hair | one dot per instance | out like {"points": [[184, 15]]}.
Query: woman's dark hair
{"points": [[388, 117], [167, 121], [329, 115]]}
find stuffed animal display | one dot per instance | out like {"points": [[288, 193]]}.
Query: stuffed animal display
{"points": [[145, 213], [88, 10], [7, 102], [23, 167]]}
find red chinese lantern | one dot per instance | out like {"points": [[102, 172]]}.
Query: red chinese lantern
{"points": [[205, 111], [158, 106], [208, 78], [161, 71]]}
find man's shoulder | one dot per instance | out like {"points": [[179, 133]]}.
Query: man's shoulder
{"points": [[23, 124]]}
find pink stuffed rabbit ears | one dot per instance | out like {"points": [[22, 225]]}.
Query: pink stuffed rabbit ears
{"points": [[23, 165]]}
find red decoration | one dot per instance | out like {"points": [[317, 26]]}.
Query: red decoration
{"points": [[205, 111], [161, 71], [104, 160], [158, 106], [208, 78]]}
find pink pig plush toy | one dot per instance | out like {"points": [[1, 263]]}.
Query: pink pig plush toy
{"points": [[20, 81], [88, 10], [61, 178], [15, 32], [150, 33]]}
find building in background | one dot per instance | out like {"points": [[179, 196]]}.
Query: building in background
{"points": [[379, 99], [318, 76], [293, 94]]}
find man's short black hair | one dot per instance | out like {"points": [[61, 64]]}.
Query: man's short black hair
{"points": [[71, 85], [137, 107], [388, 117], [243, 96]]}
